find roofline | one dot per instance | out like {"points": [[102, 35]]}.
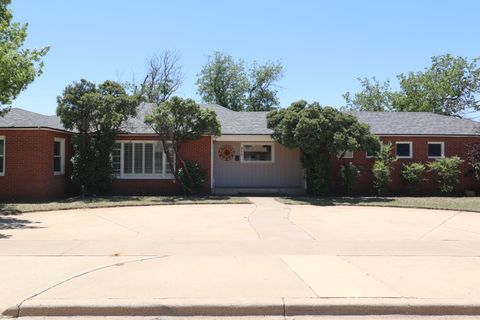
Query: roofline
{"points": [[36, 128], [428, 135]]}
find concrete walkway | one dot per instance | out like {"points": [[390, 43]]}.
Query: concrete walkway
{"points": [[261, 258]]}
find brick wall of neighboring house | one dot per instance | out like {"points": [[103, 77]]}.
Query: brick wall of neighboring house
{"points": [[453, 146], [29, 172], [198, 151]]}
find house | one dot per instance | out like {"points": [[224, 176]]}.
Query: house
{"points": [[35, 153]]}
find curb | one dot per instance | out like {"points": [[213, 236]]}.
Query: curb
{"points": [[245, 307]]}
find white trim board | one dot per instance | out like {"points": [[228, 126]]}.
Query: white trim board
{"points": [[244, 137]]}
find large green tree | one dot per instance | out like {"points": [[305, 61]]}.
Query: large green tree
{"points": [[450, 86], [227, 82], [18, 66], [178, 120], [321, 133], [96, 113]]}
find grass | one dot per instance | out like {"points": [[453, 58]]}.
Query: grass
{"points": [[444, 203], [117, 201]]}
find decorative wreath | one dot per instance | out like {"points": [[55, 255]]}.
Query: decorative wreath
{"points": [[226, 152]]}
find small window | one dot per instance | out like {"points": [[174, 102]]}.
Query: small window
{"points": [[436, 150], [374, 155], [58, 156], [347, 155], [257, 152], [2, 156], [403, 149]]}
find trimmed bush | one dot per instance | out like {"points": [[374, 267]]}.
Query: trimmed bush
{"points": [[447, 171], [349, 174], [412, 176]]}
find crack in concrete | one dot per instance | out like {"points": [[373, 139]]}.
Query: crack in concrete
{"points": [[299, 277], [19, 305], [116, 223], [441, 224]]}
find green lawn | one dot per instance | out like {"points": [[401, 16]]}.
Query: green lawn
{"points": [[447, 203], [102, 202]]}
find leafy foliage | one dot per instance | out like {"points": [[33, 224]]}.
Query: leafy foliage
{"points": [[473, 158], [382, 169], [450, 86], [226, 82], [18, 66], [177, 120], [349, 174], [375, 96], [448, 172], [321, 133], [195, 183], [412, 175], [96, 114]]}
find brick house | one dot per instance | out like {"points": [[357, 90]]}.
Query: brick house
{"points": [[35, 153]]}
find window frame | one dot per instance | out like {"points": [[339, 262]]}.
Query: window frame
{"points": [[374, 157], [3, 138], [271, 144], [410, 143], [442, 146], [144, 176], [346, 156], [62, 156]]}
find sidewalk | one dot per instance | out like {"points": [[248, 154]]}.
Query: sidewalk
{"points": [[284, 271]]}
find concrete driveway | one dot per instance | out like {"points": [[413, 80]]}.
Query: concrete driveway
{"points": [[265, 251]]}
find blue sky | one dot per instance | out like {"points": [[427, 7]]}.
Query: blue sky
{"points": [[323, 45]]}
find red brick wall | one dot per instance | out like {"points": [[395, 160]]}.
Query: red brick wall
{"points": [[29, 166], [453, 146], [198, 151]]}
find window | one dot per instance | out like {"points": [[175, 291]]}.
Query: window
{"points": [[347, 155], [257, 152], [117, 158], [140, 160], [403, 149], [375, 155], [2, 156], [58, 156], [436, 150]]}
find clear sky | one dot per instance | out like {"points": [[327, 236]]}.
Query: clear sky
{"points": [[323, 45]]}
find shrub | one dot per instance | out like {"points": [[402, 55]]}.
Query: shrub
{"points": [[447, 170], [382, 169], [349, 174], [473, 157], [195, 184], [412, 175]]}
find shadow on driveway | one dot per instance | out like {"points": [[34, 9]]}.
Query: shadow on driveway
{"points": [[9, 221]]}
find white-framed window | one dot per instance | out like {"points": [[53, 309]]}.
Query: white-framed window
{"points": [[404, 149], [257, 152], [58, 156], [140, 160], [2, 155], [436, 149], [375, 155], [348, 154]]}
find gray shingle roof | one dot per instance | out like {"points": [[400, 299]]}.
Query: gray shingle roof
{"points": [[245, 123], [416, 123], [20, 118]]}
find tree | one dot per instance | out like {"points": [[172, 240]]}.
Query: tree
{"points": [[375, 96], [321, 133], [450, 86], [18, 66], [178, 120], [164, 77], [226, 82], [96, 114], [382, 169]]}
